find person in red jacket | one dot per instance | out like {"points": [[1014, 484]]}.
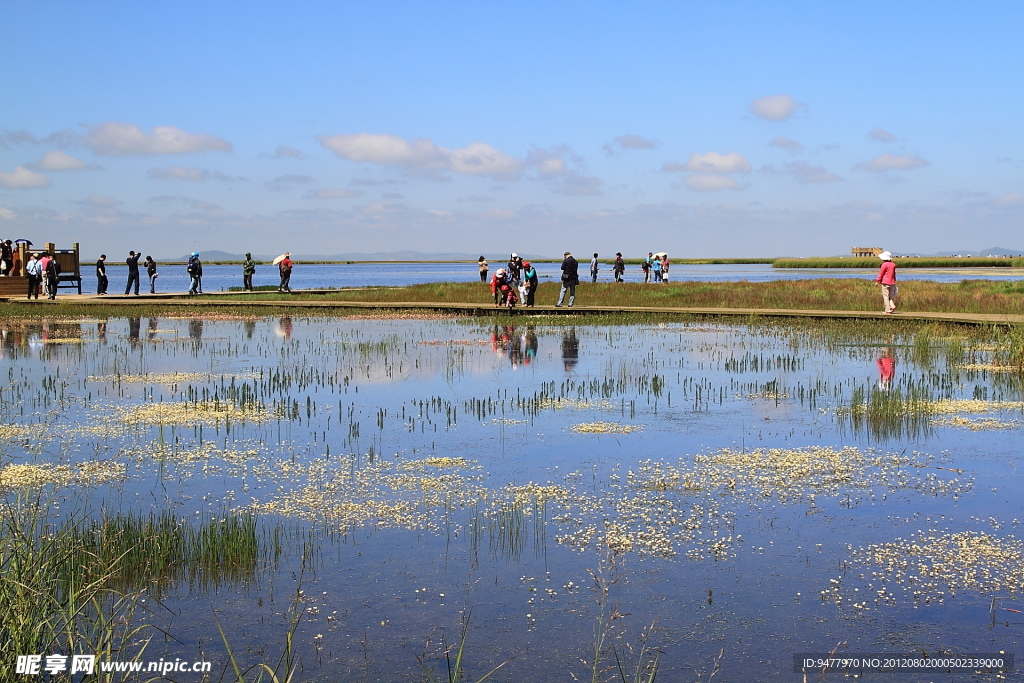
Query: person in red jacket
{"points": [[500, 279], [887, 278]]}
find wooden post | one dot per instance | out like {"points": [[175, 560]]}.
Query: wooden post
{"points": [[19, 266]]}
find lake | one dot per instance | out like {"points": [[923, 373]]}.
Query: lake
{"points": [[713, 492]]}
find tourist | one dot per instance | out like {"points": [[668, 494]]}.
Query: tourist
{"points": [[664, 267], [482, 264], [656, 267], [530, 281], [570, 278], [43, 263], [285, 268], [646, 267], [51, 273], [248, 270], [133, 272], [887, 278], [594, 268], [195, 272], [620, 266], [499, 280], [34, 273], [151, 272], [6, 258], [513, 270], [101, 274]]}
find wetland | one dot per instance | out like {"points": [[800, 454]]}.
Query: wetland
{"points": [[349, 498]]}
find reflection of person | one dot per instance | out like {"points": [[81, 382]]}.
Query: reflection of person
{"points": [[570, 278], [886, 369], [154, 324], [250, 327], [286, 326], [248, 270], [101, 274], [530, 342], [285, 267], [195, 328], [887, 278], [570, 349], [133, 272], [134, 326]]}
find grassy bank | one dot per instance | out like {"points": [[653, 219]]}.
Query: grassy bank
{"points": [[922, 262], [969, 296]]}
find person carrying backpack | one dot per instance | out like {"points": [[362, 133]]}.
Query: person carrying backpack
{"points": [[248, 270], [51, 274], [285, 266], [151, 272], [195, 271]]}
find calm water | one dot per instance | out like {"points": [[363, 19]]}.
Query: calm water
{"points": [[218, 278], [448, 467]]}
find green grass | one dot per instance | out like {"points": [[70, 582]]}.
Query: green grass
{"points": [[909, 262]]}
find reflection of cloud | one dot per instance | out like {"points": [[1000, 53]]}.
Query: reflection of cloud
{"points": [[332, 193], [711, 183], [786, 143], [893, 162], [881, 135], [775, 107], [476, 158], [127, 139], [21, 178]]}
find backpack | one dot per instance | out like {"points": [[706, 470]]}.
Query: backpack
{"points": [[191, 266], [53, 268]]}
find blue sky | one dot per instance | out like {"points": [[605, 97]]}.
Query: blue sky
{"points": [[703, 129]]}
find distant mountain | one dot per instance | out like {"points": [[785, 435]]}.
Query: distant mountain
{"points": [[214, 255], [994, 251]]}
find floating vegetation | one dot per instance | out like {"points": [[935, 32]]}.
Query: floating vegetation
{"points": [[978, 425], [18, 431], [91, 473], [952, 406], [434, 462], [605, 428], [988, 367], [203, 412], [453, 342], [237, 453], [930, 566], [157, 378]]}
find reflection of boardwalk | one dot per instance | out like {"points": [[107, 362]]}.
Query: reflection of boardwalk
{"points": [[235, 300]]}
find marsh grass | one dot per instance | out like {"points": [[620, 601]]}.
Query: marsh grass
{"points": [[453, 656], [916, 262]]}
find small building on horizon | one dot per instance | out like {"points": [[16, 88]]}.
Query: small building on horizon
{"points": [[866, 252]]}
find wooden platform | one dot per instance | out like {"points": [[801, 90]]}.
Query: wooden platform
{"points": [[13, 286], [238, 299]]}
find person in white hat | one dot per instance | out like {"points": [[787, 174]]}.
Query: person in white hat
{"points": [[887, 278]]}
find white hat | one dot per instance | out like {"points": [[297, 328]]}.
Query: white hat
{"points": [[501, 271], [515, 255], [885, 256]]}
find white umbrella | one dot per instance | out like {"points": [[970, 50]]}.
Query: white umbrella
{"points": [[661, 254], [282, 257]]}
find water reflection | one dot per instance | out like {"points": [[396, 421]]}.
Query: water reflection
{"points": [[570, 349], [250, 327], [195, 328], [285, 327], [886, 368], [134, 325]]}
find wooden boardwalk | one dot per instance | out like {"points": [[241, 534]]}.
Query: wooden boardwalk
{"points": [[236, 299]]}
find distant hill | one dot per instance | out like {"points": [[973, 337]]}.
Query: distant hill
{"points": [[214, 255]]}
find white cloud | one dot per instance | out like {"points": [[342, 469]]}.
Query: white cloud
{"points": [[1011, 199], [806, 173], [775, 107], [576, 185], [7, 214], [60, 161], [711, 183], [893, 162], [476, 158], [554, 165], [179, 173], [629, 141], [100, 200], [712, 162], [332, 193], [285, 182], [284, 152], [881, 135], [786, 143], [126, 139], [21, 178]]}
